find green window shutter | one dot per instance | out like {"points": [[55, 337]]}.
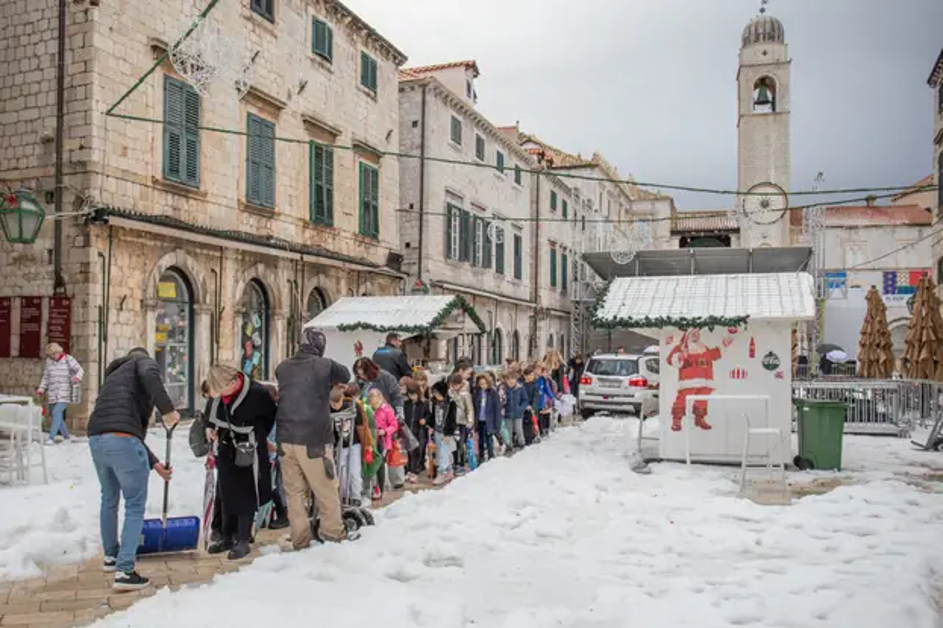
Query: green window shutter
{"points": [[456, 131], [322, 40], [563, 271], [449, 212], [322, 184], [518, 256], [499, 161], [499, 252], [375, 200], [191, 143], [480, 147], [553, 200], [173, 129], [264, 8], [566, 209], [368, 71], [260, 157], [465, 237], [517, 175], [553, 267], [369, 201], [487, 245]]}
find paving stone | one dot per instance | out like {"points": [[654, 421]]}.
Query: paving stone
{"points": [[19, 607], [25, 619], [73, 605]]}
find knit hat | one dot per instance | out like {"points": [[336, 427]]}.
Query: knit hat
{"points": [[314, 342]]}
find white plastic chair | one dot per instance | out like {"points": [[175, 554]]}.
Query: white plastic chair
{"points": [[9, 454], [767, 458], [23, 426]]}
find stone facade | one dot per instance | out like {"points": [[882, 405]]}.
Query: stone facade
{"points": [[221, 247]]}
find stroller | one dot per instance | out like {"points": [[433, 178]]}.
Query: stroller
{"points": [[352, 513]]}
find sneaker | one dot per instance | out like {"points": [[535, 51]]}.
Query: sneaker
{"points": [[278, 524], [240, 550], [377, 494], [218, 547], [131, 581], [109, 564], [50, 443]]}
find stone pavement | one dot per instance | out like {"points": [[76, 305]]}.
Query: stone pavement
{"points": [[77, 595]]}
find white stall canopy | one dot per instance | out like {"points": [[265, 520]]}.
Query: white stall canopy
{"points": [[367, 321]]}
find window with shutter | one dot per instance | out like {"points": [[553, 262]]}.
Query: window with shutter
{"points": [[499, 251], [368, 72], [499, 161], [369, 201], [488, 245], [564, 271], [479, 147], [553, 200], [322, 40], [260, 162], [321, 161], [181, 133], [553, 266], [518, 177], [265, 8], [465, 236], [479, 251], [453, 243], [518, 256], [455, 130], [566, 209]]}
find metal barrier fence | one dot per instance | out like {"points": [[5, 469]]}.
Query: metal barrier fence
{"points": [[849, 369], [891, 407]]}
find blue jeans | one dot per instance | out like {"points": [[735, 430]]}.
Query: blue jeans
{"points": [[484, 442], [442, 454], [58, 421], [123, 468]]}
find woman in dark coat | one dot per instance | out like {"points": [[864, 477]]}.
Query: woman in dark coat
{"points": [[576, 373], [240, 415]]}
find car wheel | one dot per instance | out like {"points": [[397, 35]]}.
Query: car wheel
{"points": [[586, 414]]}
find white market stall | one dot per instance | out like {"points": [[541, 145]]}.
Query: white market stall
{"points": [[357, 326], [726, 336]]}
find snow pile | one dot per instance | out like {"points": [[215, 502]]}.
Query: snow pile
{"points": [[57, 524], [564, 535]]}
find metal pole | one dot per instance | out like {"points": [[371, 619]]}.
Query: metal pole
{"points": [[422, 182]]}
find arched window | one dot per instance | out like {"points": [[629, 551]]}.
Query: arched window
{"points": [[550, 341], [516, 345], [254, 331], [497, 347], [317, 303], [764, 95], [173, 337]]}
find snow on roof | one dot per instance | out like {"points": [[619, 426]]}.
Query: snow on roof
{"points": [[416, 314], [682, 301]]}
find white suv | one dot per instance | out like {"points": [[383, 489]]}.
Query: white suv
{"points": [[620, 383]]}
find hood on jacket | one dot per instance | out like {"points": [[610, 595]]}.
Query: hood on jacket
{"points": [[314, 342]]}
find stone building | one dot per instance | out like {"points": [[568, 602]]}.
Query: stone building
{"points": [[466, 218], [195, 244], [936, 83]]}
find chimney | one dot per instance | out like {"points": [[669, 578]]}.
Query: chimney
{"points": [[870, 200]]}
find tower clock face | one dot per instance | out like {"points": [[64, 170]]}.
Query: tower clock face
{"points": [[764, 204]]}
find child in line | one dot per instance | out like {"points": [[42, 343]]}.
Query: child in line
{"points": [[534, 406], [515, 403], [443, 430], [416, 413], [547, 397], [387, 425], [487, 406], [464, 416]]}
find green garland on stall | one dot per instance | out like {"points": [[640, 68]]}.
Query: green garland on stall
{"points": [[660, 322], [458, 302]]}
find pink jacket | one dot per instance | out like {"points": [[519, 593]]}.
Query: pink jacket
{"points": [[386, 421]]}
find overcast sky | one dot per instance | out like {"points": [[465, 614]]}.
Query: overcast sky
{"points": [[651, 83]]}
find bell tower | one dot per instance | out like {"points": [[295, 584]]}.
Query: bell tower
{"points": [[763, 133]]}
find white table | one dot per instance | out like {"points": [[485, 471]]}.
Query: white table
{"points": [[18, 399]]}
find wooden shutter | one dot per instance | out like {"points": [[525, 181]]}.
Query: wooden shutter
{"points": [[553, 267], [518, 256], [191, 123], [322, 184], [486, 246], [465, 239], [253, 168], [499, 252], [173, 128], [449, 212], [563, 271], [322, 40], [566, 209], [260, 184], [369, 201], [553, 200]]}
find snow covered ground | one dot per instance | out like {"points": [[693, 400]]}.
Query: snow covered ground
{"points": [[560, 535], [57, 524]]}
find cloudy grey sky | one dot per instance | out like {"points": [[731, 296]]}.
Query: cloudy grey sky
{"points": [[651, 83]]}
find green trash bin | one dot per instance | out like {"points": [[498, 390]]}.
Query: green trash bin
{"points": [[821, 428]]}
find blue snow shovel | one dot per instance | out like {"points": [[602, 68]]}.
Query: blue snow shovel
{"points": [[175, 534]]}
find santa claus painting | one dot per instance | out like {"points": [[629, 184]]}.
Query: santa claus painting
{"points": [[695, 363]]}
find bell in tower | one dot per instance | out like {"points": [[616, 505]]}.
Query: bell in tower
{"points": [[764, 95]]}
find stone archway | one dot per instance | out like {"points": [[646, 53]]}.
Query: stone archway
{"points": [[184, 263]]}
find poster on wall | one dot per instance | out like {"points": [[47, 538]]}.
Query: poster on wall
{"points": [[6, 325], [59, 325], [31, 327]]}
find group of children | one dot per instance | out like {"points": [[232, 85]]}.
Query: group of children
{"points": [[452, 425]]}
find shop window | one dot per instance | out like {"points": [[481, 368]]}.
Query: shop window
{"points": [[317, 303], [255, 331], [173, 338]]}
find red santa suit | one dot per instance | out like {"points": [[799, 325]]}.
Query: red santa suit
{"points": [[695, 377]]}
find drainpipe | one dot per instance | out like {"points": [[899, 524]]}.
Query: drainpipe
{"points": [[534, 343], [422, 180], [59, 281], [101, 323], [219, 309], [214, 332]]}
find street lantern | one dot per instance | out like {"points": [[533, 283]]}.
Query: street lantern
{"points": [[21, 217]]}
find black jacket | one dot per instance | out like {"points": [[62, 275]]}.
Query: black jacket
{"points": [[305, 381], [414, 412], [126, 401], [393, 361], [243, 489]]}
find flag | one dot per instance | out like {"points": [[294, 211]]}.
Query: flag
{"points": [[902, 282]]}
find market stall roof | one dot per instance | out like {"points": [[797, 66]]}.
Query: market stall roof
{"points": [[702, 261], [705, 300], [406, 314]]}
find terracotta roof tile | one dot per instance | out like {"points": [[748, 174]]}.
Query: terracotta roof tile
{"points": [[926, 181], [864, 215], [406, 74]]}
